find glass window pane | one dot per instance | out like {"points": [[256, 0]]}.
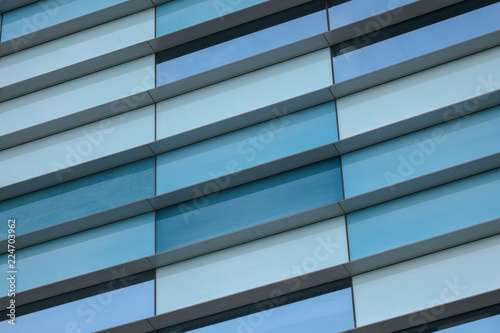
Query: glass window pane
{"points": [[80, 197], [82, 253], [422, 152], [180, 14], [45, 13], [254, 38], [415, 43], [77, 47], [327, 313], [427, 281], [244, 93], [114, 303], [248, 147], [253, 264], [250, 204], [343, 12]]}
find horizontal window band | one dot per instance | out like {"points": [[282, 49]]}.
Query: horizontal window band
{"points": [[356, 267], [343, 207], [439, 312], [292, 105], [262, 293], [197, 81], [257, 62], [133, 6]]}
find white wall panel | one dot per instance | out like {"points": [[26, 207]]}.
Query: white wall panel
{"points": [[244, 93], [77, 47], [77, 95], [427, 281], [419, 93], [250, 265], [77, 145]]}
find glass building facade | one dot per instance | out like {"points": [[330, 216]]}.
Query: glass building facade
{"points": [[249, 166]]}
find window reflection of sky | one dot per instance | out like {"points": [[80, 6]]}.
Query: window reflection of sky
{"points": [[416, 43], [90, 314], [330, 312], [355, 10], [242, 47]]}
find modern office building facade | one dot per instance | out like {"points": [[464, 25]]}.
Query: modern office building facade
{"points": [[249, 166]]}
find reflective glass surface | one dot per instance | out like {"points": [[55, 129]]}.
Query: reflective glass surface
{"points": [[425, 214], [80, 197], [116, 303], [327, 313], [254, 38], [45, 13], [250, 146], [179, 14], [422, 152], [344, 12], [486, 325], [357, 59], [82, 253], [247, 205]]}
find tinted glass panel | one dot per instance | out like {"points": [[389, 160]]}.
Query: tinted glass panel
{"points": [[110, 307], [414, 43], [179, 14], [45, 13], [343, 12], [250, 204], [427, 281], [82, 253], [254, 38], [422, 152], [426, 214], [80, 197], [322, 314], [247, 147]]}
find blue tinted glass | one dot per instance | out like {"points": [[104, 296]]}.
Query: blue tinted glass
{"points": [[82, 253], [45, 13], [321, 314], [424, 215], [80, 197], [247, 205], [90, 314], [416, 43], [422, 152], [254, 145], [355, 10], [486, 325], [179, 14], [242, 47]]}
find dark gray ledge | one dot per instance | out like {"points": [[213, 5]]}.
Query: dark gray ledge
{"points": [[6, 5]]}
